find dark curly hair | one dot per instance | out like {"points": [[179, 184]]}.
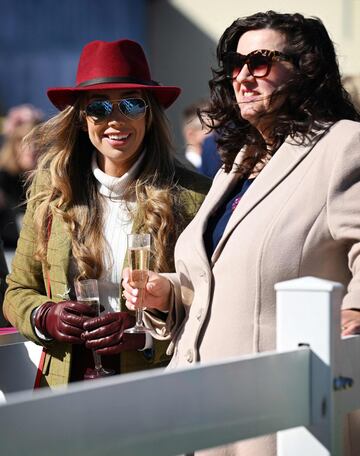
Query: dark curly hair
{"points": [[314, 98]]}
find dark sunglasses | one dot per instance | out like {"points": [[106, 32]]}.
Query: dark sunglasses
{"points": [[258, 62], [132, 108]]}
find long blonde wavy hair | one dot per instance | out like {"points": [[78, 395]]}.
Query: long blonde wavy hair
{"points": [[65, 156]]}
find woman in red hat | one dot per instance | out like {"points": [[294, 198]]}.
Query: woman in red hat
{"points": [[105, 169]]}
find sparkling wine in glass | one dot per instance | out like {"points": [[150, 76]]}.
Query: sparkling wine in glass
{"points": [[87, 292], [138, 251]]}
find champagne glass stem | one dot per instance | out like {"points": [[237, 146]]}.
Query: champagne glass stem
{"points": [[139, 311], [139, 317], [97, 361]]}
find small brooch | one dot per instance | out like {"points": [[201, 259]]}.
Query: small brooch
{"points": [[65, 296], [235, 203]]}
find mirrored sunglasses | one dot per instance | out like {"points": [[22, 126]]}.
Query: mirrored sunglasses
{"points": [[259, 62], [132, 108]]}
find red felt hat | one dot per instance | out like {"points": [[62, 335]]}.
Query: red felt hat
{"points": [[118, 64]]}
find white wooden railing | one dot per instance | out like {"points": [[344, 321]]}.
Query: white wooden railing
{"points": [[303, 390]]}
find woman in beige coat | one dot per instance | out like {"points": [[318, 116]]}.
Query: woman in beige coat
{"points": [[285, 204]]}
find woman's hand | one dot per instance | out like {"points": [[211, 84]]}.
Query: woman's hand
{"points": [[105, 334], [63, 321], [156, 294], [350, 322]]}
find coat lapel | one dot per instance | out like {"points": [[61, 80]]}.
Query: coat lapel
{"points": [[288, 156]]}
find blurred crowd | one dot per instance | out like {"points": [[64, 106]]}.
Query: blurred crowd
{"points": [[16, 160]]}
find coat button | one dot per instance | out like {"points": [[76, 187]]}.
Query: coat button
{"points": [[199, 314], [203, 275], [189, 356]]}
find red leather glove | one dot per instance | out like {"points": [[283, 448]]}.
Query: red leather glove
{"points": [[105, 334], [64, 320]]}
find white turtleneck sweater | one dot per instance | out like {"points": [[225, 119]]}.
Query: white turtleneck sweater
{"points": [[117, 224]]}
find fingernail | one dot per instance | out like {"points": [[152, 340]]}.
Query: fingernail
{"points": [[135, 292], [133, 300]]}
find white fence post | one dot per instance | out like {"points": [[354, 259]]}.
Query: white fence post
{"points": [[308, 312]]}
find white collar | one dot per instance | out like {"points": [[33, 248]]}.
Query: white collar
{"points": [[111, 186]]}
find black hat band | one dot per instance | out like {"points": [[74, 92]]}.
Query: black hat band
{"points": [[116, 79]]}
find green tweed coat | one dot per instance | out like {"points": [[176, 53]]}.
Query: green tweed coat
{"points": [[27, 283]]}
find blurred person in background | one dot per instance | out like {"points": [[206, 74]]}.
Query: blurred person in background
{"points": [[352, 85], [16, 161], [106, 168], [194, 133], [211, 160], [285, 204]]}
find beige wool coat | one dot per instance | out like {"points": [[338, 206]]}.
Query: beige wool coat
{"points": [[300, 217]]}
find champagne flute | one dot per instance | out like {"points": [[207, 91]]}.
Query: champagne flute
{"points": [[138, 250], [87, 292]]}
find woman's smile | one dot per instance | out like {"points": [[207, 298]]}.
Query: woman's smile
{"points": [[117, 139]]}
